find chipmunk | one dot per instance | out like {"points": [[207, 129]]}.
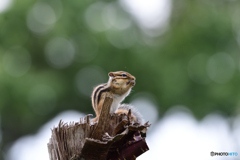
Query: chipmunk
{"points": [[118, 86]]}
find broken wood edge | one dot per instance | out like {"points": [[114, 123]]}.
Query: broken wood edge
{"points": [[102, 147]]}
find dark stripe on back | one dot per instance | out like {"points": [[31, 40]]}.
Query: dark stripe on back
{"points": [[95, 94], [100, 93]]}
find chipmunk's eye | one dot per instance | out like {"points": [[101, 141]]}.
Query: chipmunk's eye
{"points": [[124, 75]]}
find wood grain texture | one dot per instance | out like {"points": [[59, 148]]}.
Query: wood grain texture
{"points": [[102, 122]]}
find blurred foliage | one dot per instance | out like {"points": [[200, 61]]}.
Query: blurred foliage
{"points": [[194, 63]]}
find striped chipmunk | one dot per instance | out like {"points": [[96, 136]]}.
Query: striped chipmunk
{"points": [[118, 87]]}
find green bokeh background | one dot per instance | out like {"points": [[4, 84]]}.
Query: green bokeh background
{"points": [[194, 63]]}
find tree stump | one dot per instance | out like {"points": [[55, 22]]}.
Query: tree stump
{"points": [[113, 137]]}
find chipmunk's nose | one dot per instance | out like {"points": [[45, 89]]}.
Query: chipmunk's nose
{"points": [[133, 82]]}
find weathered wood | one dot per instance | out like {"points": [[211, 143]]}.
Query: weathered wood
{"points": [[100, 129], [114, 137]]}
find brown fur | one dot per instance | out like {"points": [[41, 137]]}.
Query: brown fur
{"points": [[124, 111]]}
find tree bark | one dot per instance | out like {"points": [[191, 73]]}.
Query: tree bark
{"points": [[114, 137]]}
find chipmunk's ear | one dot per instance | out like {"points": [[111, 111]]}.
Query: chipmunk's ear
{"points": [[110, 74]]}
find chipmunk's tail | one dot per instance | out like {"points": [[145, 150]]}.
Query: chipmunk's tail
{"points": [[124, 108]]}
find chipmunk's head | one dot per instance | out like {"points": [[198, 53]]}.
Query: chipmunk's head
{"points": [[121, 82]]}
